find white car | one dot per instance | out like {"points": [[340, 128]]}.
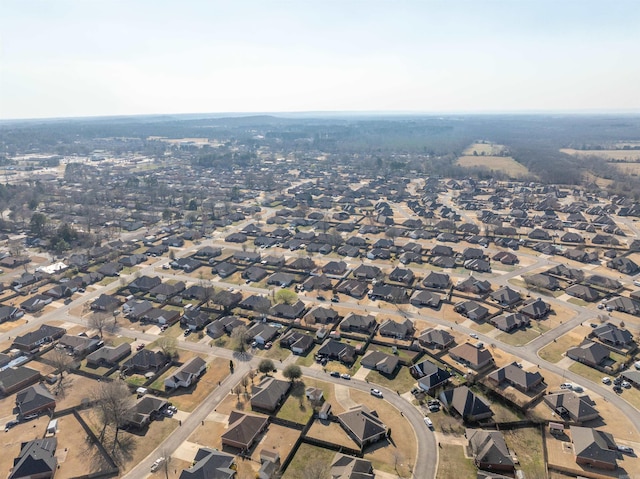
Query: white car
{"points": [[474, 335], [627, 449], [157, 463], [428, 422], [345, 376], [606, 380], [376, 392], [625, 384], [566, 386]]}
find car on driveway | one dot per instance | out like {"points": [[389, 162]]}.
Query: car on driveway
{"points": [[345, 376], [11, 424], [627, 449], [617, 389], [625, 384], [376, 392], [566, 386], [606, 380], [434, 407]]}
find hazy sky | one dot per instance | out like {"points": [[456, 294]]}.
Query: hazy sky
{"points": [[109, 57]]}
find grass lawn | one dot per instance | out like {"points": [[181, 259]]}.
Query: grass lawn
{"points": [[587, 372], [523, 336], [402, 381], [527, 445], [292, 410], [189, 399], [101, 371], [136, 380], [275, 352], [221, 342], [578, 302], [554, 352], [309, 359], [453, 463], [483, 328], [402, 353], [305, 456]]}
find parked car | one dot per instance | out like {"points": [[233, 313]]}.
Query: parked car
{"points": [[433, 402], [140, 346], [11, 424], [566, 386], [335, 374], [376, 392], [625, 384], [434, 408], [617, 381], [268, 345], [428, 422], [627, 449], [606, 380], [156, 464], [187, 332], [321, 298], [617, 389], [29, 417], [335, 299], [345, 376], [474, 335]]}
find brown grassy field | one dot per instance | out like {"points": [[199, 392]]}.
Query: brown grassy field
{"points": [[505, 164], [629, 155]]}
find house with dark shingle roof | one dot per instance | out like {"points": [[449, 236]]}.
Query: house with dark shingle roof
{"points": [[243, 430], [510, 322], [436, 280], [105, 302], [109, 356], [536, 308], [211, 464], [516, 377], [429, 375], [34, 400], [36, 460], [145, 360], [594, 448], [506, 296], [298, 342], [288, 311], [358, 323], [489, 450], [472, 356], [399, 330], [44, 334], [349, 467], [568, 404], [187, 374], [610, 334], [471, 310], [435, 338], [583, 292], [269, 394], [589, 353], [363, 425], [382, 362], [336, 350], [465, 403], [145, 410]]}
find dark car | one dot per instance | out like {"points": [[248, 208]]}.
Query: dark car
{"points": [[335, 374], [617, 389], [11, 424]]}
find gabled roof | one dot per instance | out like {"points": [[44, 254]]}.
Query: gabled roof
{"points": [[466, 403], [348, 467], [243, 428], [579, 408], [516, 376], [489, 448], [210, 464], [589, 443], [33, 398], [362, 423], [269, 392], [36, 458]]}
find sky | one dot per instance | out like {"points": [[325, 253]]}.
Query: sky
{"points": [[70, 58]]}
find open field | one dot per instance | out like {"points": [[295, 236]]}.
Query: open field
{"points": [[504, 164], [632, 169], [629, 155], [483, 148]]}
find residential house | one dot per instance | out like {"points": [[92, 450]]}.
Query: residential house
{"points": [[610, 334], [243, 430], [465, 403], [589, 353], [535, 308], [336, 350], [10, 313], [35, 303], [569, 405], [37, 460], [256, 302], [269, 394], [262, 333], [425, 298], [517, 377], [367, 272], [398, 330], [136, 309], [510, 322], [429, 375], [363, 425], [624, 304], [283, 280], [436, 280], [298, 342], [227, 299], [335, 268], [224, 269], [288, 311], [359, 323], [473, 285], [322, 315], [583, 292], [145, 410], [506, 296], [320, 282], [195, 319], [353, 288], [105, 302], [144, 361], [224, 325], [14, 379], [594, 448], [187, 374], [211, 464], [472, 356], [349, 467], [34, 400], [381, 362], [144, 284], [33, 339], [254, 274], [435, 339], [108, 356], [400, 275], [164, 291], [489, 450], [79, 345], [471, 310]]}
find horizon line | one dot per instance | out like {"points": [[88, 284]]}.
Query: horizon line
{"points": [[342, 113]]}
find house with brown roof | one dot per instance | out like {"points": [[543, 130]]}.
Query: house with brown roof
{"points": [[589, 353], [363, 425], [472, 356], [382, 362], [594, 448], [34, 400], [108, 356], [516, 377], [489, 450], [568, 405], [465, 403], [243, 430], [269, 394], [435, 339]]}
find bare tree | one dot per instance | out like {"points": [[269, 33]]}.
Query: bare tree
{"points": [[240, 337], [316, 470], [99, 320], [245, 383], [61, 361], [168, 346], [113, 406]]}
